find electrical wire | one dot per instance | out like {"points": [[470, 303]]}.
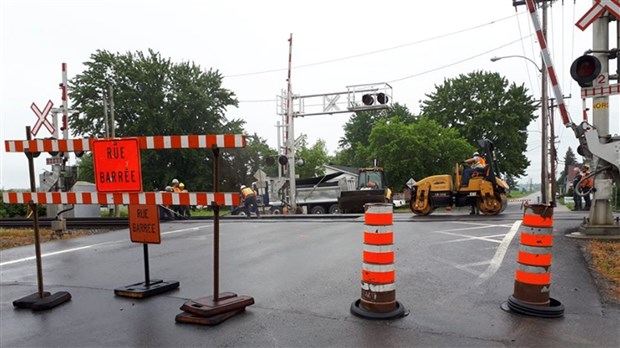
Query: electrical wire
{"points": [[458, 62], [376, 51]]}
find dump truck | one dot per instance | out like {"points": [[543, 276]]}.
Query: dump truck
{"points": [[318, 195]]}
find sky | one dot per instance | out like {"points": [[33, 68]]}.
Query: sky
{"points": [[410, 45]]}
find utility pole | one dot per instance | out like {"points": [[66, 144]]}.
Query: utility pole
{"points": [[544, 101], [291, 132]]}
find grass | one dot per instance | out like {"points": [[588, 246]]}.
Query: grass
{"points": [[14, 237], [606, 262]]}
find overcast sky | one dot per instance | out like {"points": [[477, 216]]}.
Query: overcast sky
{"points": [[412, 45]]}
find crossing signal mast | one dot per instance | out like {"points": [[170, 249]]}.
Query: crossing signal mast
{"points": [[363, 97], [595, 141]]}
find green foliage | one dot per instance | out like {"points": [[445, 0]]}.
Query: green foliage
{"points": [[415, 150], [315, 158], [483, 105], [17, 210], [569, 159], [357, 131], [153, 96], [243, 163]]}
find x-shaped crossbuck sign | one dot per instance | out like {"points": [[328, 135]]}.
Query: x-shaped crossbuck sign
{"points": [[613, 6], [42, 118]]}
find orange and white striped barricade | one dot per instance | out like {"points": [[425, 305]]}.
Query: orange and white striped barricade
{"points": [[533, 275], [378, 299]]}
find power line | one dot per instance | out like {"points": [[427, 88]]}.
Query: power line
{"points": [[376, 51], [460, 61]]}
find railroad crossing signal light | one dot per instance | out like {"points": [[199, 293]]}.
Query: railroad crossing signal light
{"points": [[585, 69], [369, 99], [283, 160]]}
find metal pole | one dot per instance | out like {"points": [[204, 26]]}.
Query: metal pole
{"points": [[291, 132], [543, 170], [600, 210], [552, 154], [147, 277], [279, 145], [216, 228], [35, 215], [117, 207]]}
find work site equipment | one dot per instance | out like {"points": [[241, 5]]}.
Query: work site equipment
{"points": [[486, 192], [371, 188], [378, 298], [533, 275]]}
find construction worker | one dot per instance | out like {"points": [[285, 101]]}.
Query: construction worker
{"points": [[576, 196], [184, 209], [388, 194], [176, 208], [476, 164], [587, 183], [249, 198]]}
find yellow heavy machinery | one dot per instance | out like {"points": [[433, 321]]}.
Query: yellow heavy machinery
{"points": [[371, 188], [486, 191]]}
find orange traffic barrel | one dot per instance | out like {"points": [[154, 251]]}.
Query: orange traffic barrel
{"points": [[378, 299], [533, 275]]}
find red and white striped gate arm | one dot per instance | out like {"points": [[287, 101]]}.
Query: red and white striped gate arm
{"points": [[547, 59], [166, 198], [159, 142]]}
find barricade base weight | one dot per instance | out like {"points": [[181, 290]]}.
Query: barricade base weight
{"points": [[141, 290]]}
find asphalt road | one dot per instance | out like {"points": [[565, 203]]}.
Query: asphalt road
{"points": [[453, 271]]}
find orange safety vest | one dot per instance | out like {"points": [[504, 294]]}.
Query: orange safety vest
{"points": [[247, 192], [587, 183]]}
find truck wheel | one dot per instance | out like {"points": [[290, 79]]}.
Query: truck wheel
{"points": [[276, 210], [334, 209], [317, 210]]}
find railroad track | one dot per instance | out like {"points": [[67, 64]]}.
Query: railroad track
{"points": [[87, 223]]}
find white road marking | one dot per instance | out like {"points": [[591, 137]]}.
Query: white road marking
{"points": [[499, 254], [87, 247]]}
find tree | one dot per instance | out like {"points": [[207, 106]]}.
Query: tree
{"points": [[483, 105], [153, 96], [416, 150], [357, 131], [315, 158], [569, 160]]}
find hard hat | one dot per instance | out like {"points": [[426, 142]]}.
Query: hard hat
{"points": [[476, 153], [242, 187], [586, 166], [175, 181], [168, 189], [181, 185]]}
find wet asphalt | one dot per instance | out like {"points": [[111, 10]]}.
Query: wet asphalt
{"points": [[453, 272]]}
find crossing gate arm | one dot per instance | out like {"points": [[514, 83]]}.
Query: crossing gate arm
{"points": [[161, 142], [166, 198]]}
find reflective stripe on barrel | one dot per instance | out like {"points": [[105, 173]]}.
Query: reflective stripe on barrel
{"points": [[533, 276], [378, 274], [378, 214]]}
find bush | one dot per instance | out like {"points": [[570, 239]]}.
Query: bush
{"points": [[17, 210]]}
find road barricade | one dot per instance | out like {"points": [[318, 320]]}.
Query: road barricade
{"points": [[533, 275], [378, 299]]}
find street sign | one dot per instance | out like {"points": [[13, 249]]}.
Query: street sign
{"points": [[410, 183], [613, 6], [260, 175], [54, 160], [600, 91], [42, 118], [144, 224], [117, 165]]}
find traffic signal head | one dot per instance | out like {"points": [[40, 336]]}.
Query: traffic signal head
{"points": [[283, 160], [585, 69], [369, 99]]}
